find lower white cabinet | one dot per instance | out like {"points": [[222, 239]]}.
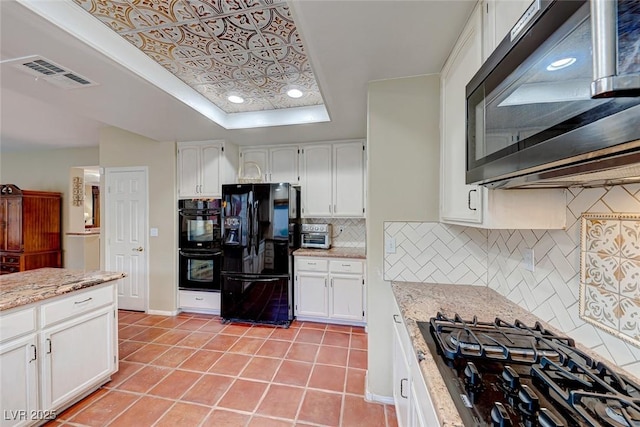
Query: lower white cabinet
{"points": [[54, 352], [199, 302], [414, 407], [330, 290]]}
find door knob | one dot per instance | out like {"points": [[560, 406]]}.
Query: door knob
{"points": [[138, 249]]}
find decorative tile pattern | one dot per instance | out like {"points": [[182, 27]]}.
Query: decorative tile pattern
{"points": [[610, 274], [249, 48], [434, 252], [552, 291], [354, 231]]}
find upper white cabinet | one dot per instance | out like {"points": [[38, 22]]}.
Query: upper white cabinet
{"points": [[498, 18], [316, 181], [332, 177], [470, 204], [277, 163], [203, 167]]}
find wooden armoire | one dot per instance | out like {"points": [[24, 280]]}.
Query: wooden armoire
{"points": [[31, 229]]}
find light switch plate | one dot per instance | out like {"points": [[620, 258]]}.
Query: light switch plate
{"points": [[153, 232], [528, 259]]}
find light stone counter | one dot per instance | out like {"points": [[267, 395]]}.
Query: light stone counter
{"points": [[17, 289], [355, 253], [421, 301]]}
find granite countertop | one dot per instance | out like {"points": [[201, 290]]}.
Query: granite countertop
{"points": [[421, 301], [17, 289], [334, 252]]}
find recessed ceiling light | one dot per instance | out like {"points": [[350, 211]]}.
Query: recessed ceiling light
{"points": [[561, 63], [235, 99], [294, 93]]}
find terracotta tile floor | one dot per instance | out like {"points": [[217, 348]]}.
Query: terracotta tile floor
{"points": [[191, 370]]}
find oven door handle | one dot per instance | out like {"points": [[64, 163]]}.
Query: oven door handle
{"points": [[201, 255], [249, 278]]}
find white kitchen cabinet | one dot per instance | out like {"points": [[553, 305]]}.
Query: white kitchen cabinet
{"points": [[330, 290], [474, 205], [498, 18], [203, 166], [332, 178], [312, 295], [276, 163], [199, 301], [414, 406], [19, 380], [55, 351], [348, 180], [75, 353]]}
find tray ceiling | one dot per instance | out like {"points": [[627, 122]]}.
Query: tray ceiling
{"points": [[246, 48]]}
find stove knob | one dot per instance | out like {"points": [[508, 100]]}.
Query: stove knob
{"points": [[530, 403], [473, 378], [511, 377], [499, 416], [547, 419]]}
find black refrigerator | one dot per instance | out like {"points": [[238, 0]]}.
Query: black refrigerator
{"points": [[260, 231]]}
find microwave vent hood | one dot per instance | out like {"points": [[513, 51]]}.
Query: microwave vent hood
{"points": [[557, 104]]}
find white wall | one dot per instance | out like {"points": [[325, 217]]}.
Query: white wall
{"points": [[119, 148], [403, 118], [47, 170]]}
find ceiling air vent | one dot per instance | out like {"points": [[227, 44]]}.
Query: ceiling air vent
{"points": [[51, 72]]}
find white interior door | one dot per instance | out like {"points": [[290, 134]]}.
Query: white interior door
{"points": [[126, 233]]}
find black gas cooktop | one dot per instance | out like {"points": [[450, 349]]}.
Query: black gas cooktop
{"points": [[510, 374]]}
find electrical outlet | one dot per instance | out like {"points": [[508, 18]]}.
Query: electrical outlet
{"points": [[390, 245], [528, 259], [340, 229]]}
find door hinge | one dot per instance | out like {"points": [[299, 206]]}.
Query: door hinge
{"points": [[114, 360], [222, 148], [362, 313], [362, 210], [363, 281], [296, 306], [298, 151], [362, 147]]}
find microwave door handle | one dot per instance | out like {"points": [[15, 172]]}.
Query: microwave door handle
{"points": [[604, 15]]}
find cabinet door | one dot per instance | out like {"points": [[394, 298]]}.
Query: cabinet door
{"points": [[11, 223], [346, 297], [19, 381], [210, 163], [499, 17], [348, 182], [284, 164], [458, 201], [77, 354], [188, 171], [258, 156], [401, 381], [316, 181], [312, 290]]}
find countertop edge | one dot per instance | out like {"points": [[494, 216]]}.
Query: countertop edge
{"points": [[24, 288], [334, 252]]}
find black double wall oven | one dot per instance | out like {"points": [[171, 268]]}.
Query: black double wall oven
{"points": [[200, 253]]}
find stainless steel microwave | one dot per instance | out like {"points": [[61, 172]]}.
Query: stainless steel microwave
{"points": [[558, 102]]}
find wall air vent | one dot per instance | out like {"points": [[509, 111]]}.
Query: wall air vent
{"points": [[51, 72]]}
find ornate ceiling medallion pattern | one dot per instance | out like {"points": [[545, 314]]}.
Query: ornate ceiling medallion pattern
{"points": [[249, 48]]}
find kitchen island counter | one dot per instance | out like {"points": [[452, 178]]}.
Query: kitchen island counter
{"points": [[421, 301], [18, 289], [335, 252]]}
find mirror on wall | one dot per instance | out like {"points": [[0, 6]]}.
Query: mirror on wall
{"points": [[91, 197]]}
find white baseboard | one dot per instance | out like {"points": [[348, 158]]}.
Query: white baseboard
{"points": [[162, 312], [370, 397]]}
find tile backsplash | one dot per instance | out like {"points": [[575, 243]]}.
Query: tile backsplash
{"points": [[495, 259], [353, 234]]}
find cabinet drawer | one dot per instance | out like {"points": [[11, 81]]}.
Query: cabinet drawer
{"points": [[346, 266], [17, 323], [204, 300], [312, 264], [75, 304], [268, 259], [10, 259]]}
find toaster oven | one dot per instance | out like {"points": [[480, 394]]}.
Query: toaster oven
{"points": [[315, 236]]}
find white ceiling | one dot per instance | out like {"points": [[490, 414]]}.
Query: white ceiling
{"points": [[349, 42]]}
